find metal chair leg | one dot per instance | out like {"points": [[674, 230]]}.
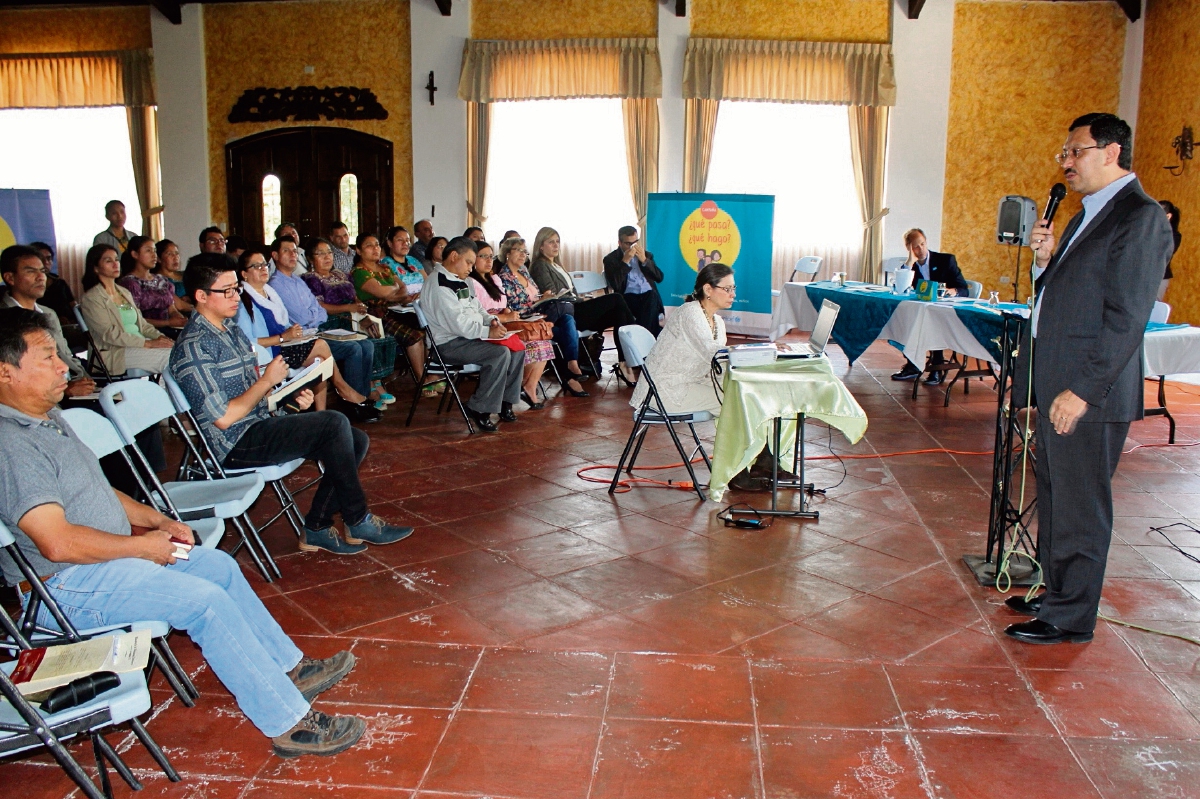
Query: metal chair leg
{"points": [[251, 549], [699, 446], [153, 748], [158, 659], [104, 751], [164, 650], [287, 502], [637, 448]]}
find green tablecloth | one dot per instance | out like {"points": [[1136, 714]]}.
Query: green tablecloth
{"points": [[756, 395]]}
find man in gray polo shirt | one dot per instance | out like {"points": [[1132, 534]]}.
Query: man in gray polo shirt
{"points": [[76, 532]]}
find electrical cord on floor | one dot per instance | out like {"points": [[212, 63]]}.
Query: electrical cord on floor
{"points": [[829, 446]]}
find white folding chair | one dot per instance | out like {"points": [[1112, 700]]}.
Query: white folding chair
{"points": [[890, 265], [806, 267], [436, 365], [637, 341], [584, 283], [1161, 312], [974, 289]]}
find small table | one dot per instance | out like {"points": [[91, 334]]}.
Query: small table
{"points": [[1169, 350], [773, 401]]}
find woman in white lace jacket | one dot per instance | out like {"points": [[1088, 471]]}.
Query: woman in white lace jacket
{"points": [[681, 361]]}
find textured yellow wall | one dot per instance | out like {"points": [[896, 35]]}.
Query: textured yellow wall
{"points": [[361, 43], [806, 20], [1169, 100], [1020, 72], [75, 30], [562, 19]]}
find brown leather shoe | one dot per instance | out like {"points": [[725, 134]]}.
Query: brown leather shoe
{"points": [[319, 734]]}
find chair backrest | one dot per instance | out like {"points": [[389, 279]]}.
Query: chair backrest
{"points": [[421, 320], [6, 536], [588, 281], [890, 265], [134, 405], [1161, 312], [636, 341], [94, 430], [809, 264], [178, 398], [974, 289], [79, 320]]}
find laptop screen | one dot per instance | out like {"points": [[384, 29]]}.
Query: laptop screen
{"points": [[824, 325]]}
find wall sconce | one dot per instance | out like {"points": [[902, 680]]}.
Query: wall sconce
{"points": [[1183, 148]]}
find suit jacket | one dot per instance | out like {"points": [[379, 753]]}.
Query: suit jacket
{"points": [[104, 322], [616, 271], [943, 267], [1096, 298]]}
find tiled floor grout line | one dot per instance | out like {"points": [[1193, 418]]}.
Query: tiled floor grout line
{"points": [[910, 738], [758, 747], [450, 720], [612, 676]]}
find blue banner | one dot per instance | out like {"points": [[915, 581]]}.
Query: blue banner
{"points": [[25, 216], [687, 231]]}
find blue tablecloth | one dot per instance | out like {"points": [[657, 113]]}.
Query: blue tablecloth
{"points": [[866, 308]]}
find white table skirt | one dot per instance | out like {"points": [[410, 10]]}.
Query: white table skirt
{"points": [[1172, 352]]}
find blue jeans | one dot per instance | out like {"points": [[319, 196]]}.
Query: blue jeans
{"points": [[566, 336], [208, 597], [356, 359]]}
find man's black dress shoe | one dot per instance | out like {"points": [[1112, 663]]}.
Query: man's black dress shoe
{"points": [[1041, 632], [909, 372], [1019, 605], [483, 421], [506, 413], [935, 379]]}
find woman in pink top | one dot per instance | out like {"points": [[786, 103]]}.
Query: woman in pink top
{"points": [[491, 296]]}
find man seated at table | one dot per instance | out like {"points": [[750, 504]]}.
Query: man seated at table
{"points": [[942, 268], [76, 533]]}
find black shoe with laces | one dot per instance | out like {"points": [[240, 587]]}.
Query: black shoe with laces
{"points": [[319, 734], [483, 421], [506, 412], [909, 372]]}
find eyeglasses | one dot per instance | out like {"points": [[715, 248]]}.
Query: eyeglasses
{"points": [[1074, 152], [258, 266], [233, 292], [727, 289], [215, 240]]}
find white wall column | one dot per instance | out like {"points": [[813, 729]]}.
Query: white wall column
{"points": [[439, 131], [1131, 74], [673, 34], [182, 124], [916, 170]]}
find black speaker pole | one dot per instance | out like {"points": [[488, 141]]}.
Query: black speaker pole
{"points": [[1017, 276]]}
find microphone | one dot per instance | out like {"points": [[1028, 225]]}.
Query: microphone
{"points": [[1057, 192]]}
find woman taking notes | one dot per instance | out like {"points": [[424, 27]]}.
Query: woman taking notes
{"points": [[681, 361]]}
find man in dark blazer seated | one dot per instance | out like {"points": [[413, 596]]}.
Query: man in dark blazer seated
{"points": [[631, 271], [941, 267], [1094, 297]]}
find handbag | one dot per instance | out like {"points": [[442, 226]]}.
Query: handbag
{"points": [[531, 331]]}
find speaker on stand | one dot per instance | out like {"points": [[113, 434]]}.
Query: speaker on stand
{"points": [[1014, 222]]}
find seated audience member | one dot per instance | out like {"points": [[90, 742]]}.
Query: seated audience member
{"points": [[236, 245], [212, 240], [124, 337], [941, 267], [522, 294], [631, 272], [681, 361], [339, 243], [490, 293], [399, 259], [379, 288], [433, 253], [263, 302], [1172, 212], [288, 229], [170, 266], [423, 230], [154, 295], [59, 297], [115, 235], [595, 313], [23, 272], [331, 286], [75, 531], [457, 322], [475, 234], [217, 369]]}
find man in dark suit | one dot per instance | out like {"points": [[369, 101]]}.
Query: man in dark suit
{"points": [[631, 271], [1094, 297], [940, 267]]}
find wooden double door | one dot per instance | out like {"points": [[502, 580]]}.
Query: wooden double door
{"points": [[310, 164]]}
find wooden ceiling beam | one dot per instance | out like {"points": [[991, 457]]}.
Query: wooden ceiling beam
{"points": [[914, 8]]}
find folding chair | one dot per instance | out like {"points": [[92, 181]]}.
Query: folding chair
{"points": [[93, 351], [23, 727], [890, 265], [436, 365], [807, 266], [637, 342], [1160, 313], [585, 283], [209, 466]]}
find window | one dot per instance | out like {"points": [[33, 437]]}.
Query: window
{"points": [[82, 156], [801, 154], [561, 164], [272, 206], [348, 203]]}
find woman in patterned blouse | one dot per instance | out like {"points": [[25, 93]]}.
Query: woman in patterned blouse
{"points": [[154, 295], [332, 287], [378, 287]]}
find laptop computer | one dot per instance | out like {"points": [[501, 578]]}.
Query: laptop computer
{"points": [[815, 346]]}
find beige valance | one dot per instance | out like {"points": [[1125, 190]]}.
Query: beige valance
{"points": [[72, 80], [559, 68], [833, 73]]}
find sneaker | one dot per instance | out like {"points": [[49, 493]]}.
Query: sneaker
{"points": [[373, 530], [313, 676], [328, 540], [319, 734]]}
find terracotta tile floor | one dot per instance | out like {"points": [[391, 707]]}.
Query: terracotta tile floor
{"points": [[537, 638]]}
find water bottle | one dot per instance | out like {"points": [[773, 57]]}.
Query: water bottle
{"points": [[994, 299]]}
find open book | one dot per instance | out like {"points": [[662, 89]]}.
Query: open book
{"points": [[561, 293], [307, 377], [48, 667]]}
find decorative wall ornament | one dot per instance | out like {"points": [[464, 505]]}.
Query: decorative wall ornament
{"points": [[306, 104], [1182, 145]]}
